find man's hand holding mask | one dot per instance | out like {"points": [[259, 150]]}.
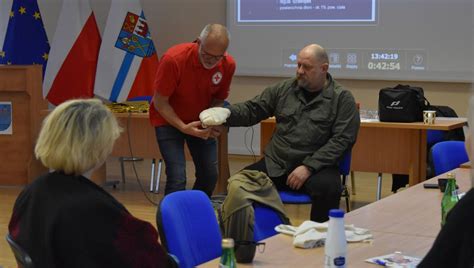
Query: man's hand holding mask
{"points": [[214, 116]]}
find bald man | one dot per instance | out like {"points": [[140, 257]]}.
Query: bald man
{"points": [[191, 77], [316, 123]]}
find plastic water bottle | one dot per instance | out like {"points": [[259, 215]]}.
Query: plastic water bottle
{"points": [[228, 256], [335, 248]]}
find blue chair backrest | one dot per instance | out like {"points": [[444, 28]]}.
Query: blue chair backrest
{"points": [[266, 219], [345, 164], [448, 155], [434, 136], [188, 227]]}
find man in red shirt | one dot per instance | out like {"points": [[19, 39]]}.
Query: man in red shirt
{"points": [[191, 77]]}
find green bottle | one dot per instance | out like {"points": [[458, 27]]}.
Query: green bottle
{"points": [[450, 198], [228, 256]]}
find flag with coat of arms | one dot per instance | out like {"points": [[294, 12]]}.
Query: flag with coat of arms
{"points": [[127, 57], [24, 38]]}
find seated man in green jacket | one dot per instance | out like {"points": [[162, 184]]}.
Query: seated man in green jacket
{"points": [[316, 123]]}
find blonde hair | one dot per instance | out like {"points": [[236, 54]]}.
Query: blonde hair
{"points": [[77, 136]]}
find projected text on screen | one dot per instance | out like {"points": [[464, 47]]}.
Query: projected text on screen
{"points": [[415, 40], [311, 11]]}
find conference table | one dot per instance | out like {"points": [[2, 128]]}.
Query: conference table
{"points": [[382, 147], [408, 222], [466, 165], [138, 139]]}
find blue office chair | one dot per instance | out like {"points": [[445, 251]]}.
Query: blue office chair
{"points": [[266, 219], [434, 136], [292, 197], [22, 258], [401, 180], [448, 155], [188, 227]]}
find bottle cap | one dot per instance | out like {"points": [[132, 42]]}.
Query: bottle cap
{"points": [[227, 243], [451, 175], [336, 213]]}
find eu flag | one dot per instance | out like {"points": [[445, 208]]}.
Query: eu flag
{"points": [[25, 40]]}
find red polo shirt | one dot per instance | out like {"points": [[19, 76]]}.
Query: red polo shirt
{"points": [[190, 87]]}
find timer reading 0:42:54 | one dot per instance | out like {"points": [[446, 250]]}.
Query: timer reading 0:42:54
{"points": [[384, 61], [383, 65]]}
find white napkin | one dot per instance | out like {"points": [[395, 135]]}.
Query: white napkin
{"points": [[310, 239], [214, 116], [313, 234]]}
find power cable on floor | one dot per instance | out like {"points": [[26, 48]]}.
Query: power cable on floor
{"points": [[133, 162]]}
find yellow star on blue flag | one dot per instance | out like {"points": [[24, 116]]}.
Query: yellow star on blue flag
{"points": [[25, 40]]}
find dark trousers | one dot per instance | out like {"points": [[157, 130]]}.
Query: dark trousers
{"points": [[204, 152], [324, 187]]}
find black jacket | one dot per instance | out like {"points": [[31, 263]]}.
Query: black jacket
{"points": [[454, 246], [68, 221]]}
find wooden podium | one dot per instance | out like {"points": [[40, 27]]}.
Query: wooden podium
{"points": [[21, 85]]}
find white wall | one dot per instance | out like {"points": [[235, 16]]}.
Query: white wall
{"points": [[244, 140]]}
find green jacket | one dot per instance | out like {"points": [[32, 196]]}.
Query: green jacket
{"points": [[245, 188], [316, 134]]}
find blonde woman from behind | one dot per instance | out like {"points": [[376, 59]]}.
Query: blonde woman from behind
{"points": [[63, 219]]}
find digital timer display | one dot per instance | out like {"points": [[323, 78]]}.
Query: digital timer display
{"points": [[384, 56], [383, 66], [384, 61]]}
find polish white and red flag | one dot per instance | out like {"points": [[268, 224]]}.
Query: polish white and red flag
{"points": [[74, 53]]}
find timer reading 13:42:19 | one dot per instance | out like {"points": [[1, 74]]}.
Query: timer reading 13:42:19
{"points": [[384, 61], [384, 56]]}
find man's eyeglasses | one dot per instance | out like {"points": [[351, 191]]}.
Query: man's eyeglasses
{"points": [[208, 56]]}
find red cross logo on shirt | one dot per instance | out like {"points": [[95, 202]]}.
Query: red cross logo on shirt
{"points": [[216, 78]]}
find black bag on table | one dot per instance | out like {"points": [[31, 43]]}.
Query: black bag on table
{"points": [[402, 103]]}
